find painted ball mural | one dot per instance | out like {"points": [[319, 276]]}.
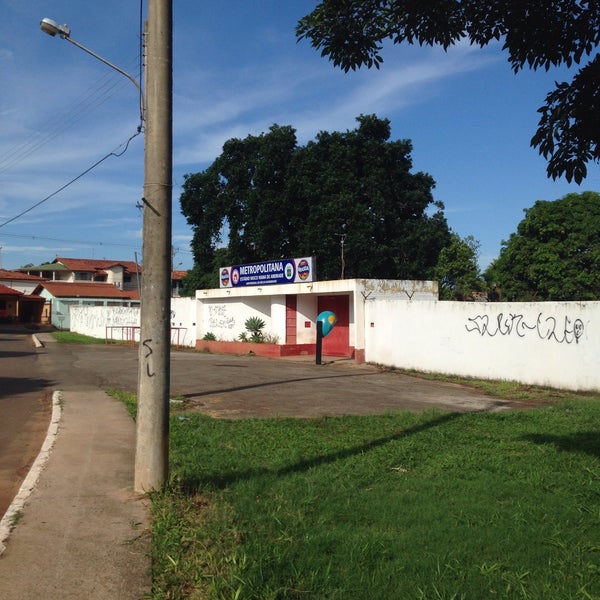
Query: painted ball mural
{"points": [[328, 319]]}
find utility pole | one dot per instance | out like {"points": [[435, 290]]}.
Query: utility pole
{"points": [[152, 441]]}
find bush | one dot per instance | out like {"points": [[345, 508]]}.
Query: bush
{"points": [[254, 326]]}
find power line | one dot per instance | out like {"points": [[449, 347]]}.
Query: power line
{"points": [[79, 242], [94, 96], [64, 241], [66, 185]]}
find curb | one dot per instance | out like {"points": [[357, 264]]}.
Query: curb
{"points": [[11, 515]]}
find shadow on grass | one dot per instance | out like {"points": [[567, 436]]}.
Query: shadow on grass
{"points": [[193, 484], [583, 441]]}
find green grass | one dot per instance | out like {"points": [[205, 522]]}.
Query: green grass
{"points": [[426, 506], [127, 398], [68, 337]]}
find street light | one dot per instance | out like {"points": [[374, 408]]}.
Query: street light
{"points": [[152, 439], [51, 27]]}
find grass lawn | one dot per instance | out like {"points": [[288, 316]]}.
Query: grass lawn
{"points": [[432, 505], [68, 337]]}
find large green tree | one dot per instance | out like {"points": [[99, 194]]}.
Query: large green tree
{"points": [[457, 269], [535, 33], [554, 254], [266, 197]]}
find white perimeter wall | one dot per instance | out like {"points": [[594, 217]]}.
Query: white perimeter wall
{"points": [[94, 320], [544, 343]]}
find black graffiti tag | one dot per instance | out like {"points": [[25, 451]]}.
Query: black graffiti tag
{"points": [[146, 344], [564, 331]]}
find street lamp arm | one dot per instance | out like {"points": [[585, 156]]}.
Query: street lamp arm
{"points": [[112, 66], [52, 28]]}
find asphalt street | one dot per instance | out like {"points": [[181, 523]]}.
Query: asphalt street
{"points": [[25, 408], [251, 386]]}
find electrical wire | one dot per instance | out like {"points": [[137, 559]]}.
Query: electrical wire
{"points": [[79, 242], [103, 90], [64, 241], [66, 185], [109, 86]]}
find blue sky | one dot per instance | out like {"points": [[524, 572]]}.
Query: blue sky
{"points": [[238, 70]]}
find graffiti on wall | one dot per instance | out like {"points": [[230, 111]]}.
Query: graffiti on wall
{"points": [[86, 319], [218, 317], [563, 331]]}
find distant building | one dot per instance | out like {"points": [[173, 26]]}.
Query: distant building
{"points": [[61, 295], [124, 275], [18, 302], [22, 282], [50, 288], [176, 282], [9, 303]]}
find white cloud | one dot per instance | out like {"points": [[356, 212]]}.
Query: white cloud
{"points": [[299, 94]]}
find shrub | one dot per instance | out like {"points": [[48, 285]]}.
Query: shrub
{"points": [[254, 326]]}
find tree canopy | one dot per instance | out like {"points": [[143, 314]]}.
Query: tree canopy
{"points": [[535, 33], [265, 197], [554, 254], [457, 270]]}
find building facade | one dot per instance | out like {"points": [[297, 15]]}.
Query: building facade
{"points": [[290, 312]]}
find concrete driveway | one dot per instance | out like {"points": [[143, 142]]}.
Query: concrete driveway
{"points": [[226, 386]]}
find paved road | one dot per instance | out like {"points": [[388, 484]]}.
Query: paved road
{"points": [[251, 386], [25, 408], [217, 385]]}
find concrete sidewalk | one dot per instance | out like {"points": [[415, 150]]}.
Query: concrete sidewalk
{"points": [[80, 532]]}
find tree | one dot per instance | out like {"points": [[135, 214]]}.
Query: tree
{"points": [[277, 199], [555, 253], [457, 270], [241, 192], [535, 33], [206, 277]]}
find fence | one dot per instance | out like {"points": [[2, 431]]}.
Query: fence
{"points": [[544, 343], [121, 323]]}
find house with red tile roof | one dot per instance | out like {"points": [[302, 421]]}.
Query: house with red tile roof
{"points": [[9, 303], [83, 281], [17, 299], [61, 295], [22, 282], [124, 275], [176, 282]]}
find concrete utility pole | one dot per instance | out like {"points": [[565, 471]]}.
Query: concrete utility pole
{"points": [[152, 443]]}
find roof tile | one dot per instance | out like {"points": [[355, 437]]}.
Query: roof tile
{"points": [[66, 289]]}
